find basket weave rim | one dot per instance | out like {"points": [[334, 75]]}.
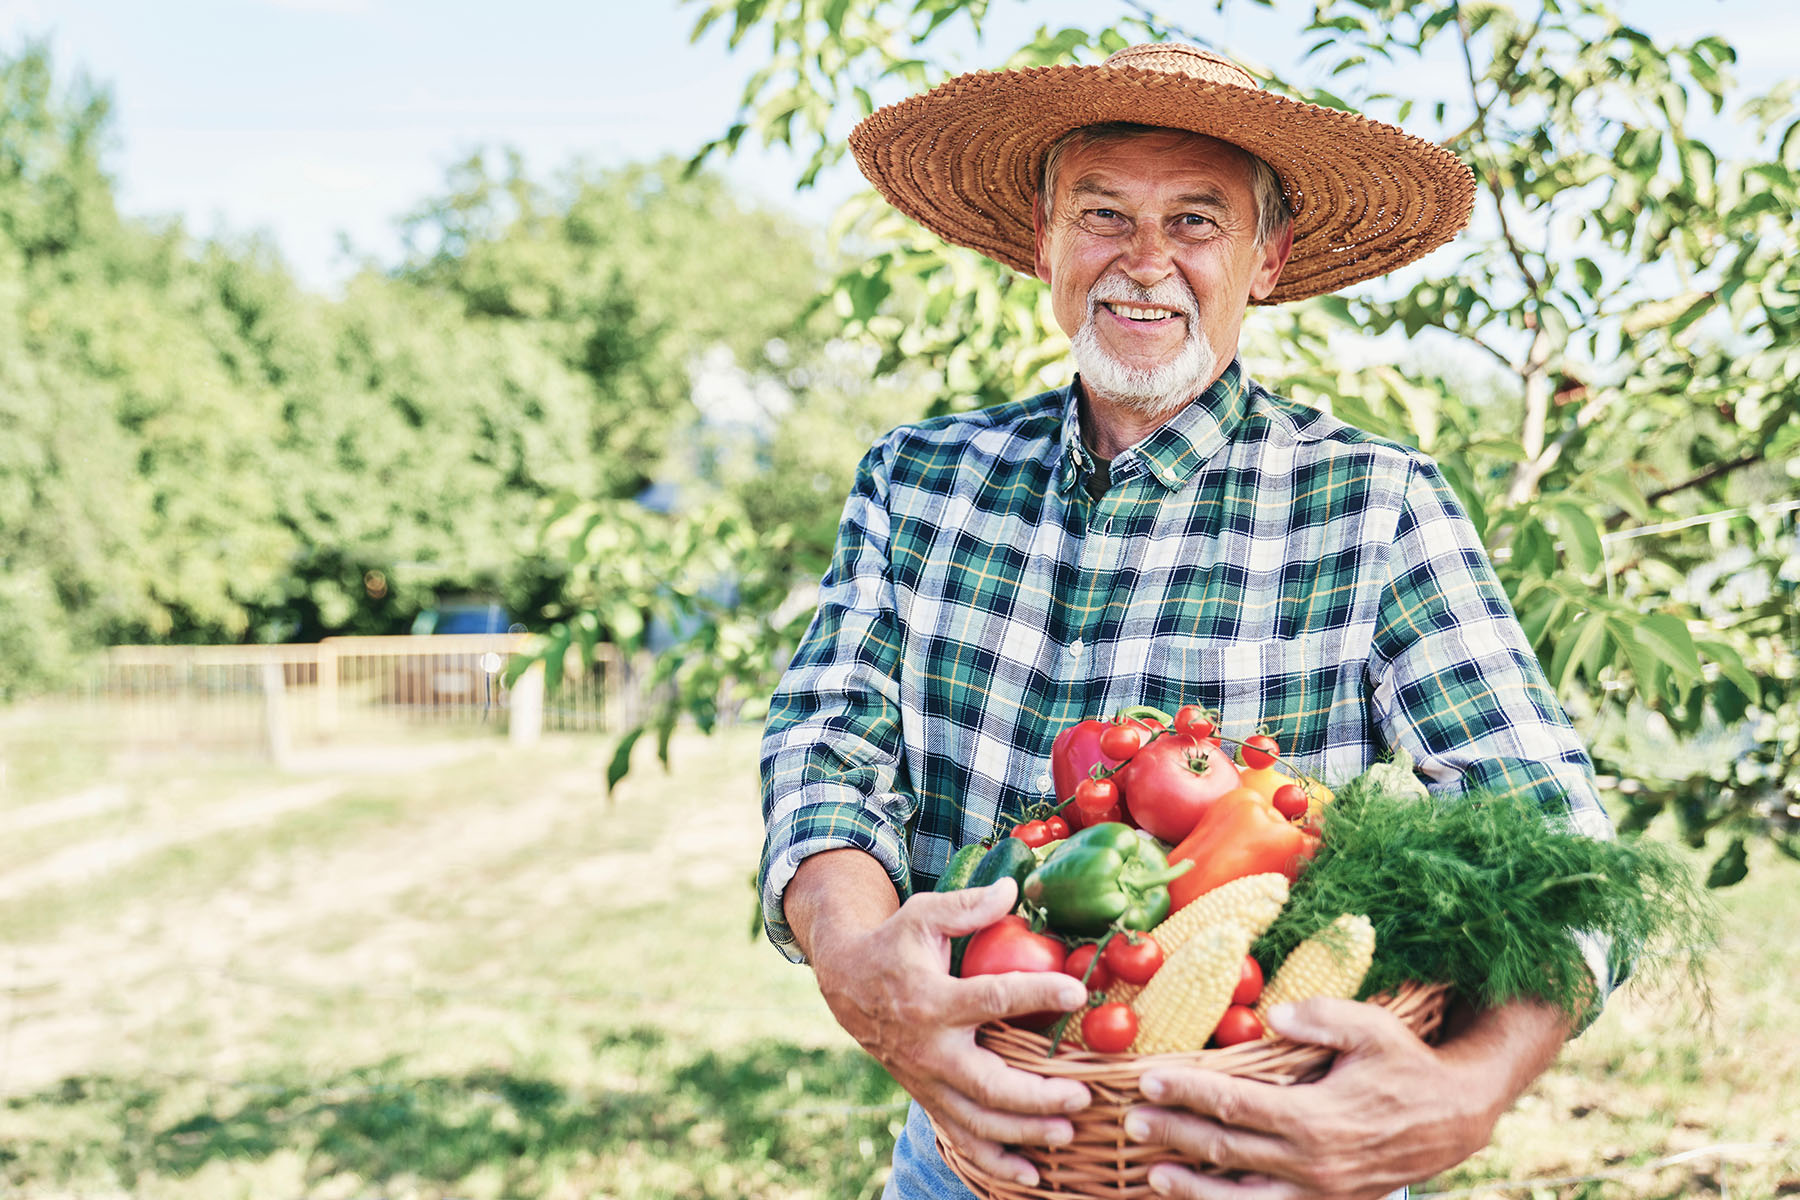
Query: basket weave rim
{"points": [[964, 159], [1101, 1162]]}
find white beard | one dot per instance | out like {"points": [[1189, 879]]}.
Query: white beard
{"points": [[1156, 392]]}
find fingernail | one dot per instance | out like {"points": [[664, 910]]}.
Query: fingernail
{"points": [[1153, 1086], [1159, 1182], [1073, 999], [1059, 1135], [1077, 1102], [1027, 1176], [1280, 1015], [1136, 1127]]}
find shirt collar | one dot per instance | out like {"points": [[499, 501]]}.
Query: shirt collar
{"points": [[1178, 447]]}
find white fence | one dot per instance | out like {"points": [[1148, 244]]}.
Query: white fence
{"points": [[347, 688]]}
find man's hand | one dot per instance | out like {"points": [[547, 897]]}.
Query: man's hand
{"points": [[1391, 1110], [889, 986]]}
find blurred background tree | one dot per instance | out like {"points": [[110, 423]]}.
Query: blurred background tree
{"points": [[193, 449]]}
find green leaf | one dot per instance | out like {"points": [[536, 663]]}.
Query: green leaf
{"points": [[1730, 867], [620, 765], [1731, 666], [1574, 649], [1580, 536], [1666, 636]]}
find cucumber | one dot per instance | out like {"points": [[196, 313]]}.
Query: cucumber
{"points": [[1009, 859], [960, 867]]}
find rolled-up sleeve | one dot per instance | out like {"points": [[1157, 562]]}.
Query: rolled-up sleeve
{"points": [[833, 771]]}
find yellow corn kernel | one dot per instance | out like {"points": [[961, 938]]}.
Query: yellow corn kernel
{"points": [[1251, 903], [1124, 993], [1181, 1005], [1330, 963]]}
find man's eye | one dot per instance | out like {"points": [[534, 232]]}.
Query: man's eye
{"points": [[1103, 219]]}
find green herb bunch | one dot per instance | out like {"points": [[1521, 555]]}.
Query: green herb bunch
{"points": [[1485, 892]]}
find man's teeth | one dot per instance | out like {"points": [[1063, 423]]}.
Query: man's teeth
{"points": [[1142, 314]]}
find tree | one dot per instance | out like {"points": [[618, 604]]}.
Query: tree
{"points": [[1627, 290], [192, 448]]}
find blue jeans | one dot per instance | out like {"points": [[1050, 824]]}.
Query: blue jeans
{"points": [[920, 1172]]}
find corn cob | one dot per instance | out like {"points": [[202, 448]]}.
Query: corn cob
{"points": [[1330, 963], [1181, 1005], [1251, 903]]}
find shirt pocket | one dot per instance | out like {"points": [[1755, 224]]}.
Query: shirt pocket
{"points": [[1307, 691]]}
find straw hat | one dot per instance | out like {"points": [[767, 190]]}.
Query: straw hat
{"points": [[964, 159]]}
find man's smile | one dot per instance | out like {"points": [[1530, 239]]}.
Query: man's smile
{"points": [[1140, 313]]}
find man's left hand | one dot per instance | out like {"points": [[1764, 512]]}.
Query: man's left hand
{"points": [[1391, 1110]]}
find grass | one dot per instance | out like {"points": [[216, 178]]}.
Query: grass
{"points": [[480, 979]]}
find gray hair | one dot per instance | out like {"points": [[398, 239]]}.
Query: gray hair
{"points": [[1272, 213]]}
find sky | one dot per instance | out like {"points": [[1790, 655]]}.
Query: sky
{"points": [[316, 122]]}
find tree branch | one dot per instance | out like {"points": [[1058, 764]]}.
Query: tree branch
{"points": [[1717, 471]]}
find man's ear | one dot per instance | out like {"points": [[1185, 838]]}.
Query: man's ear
{"points": [[1039, 221], [1275, 256]]}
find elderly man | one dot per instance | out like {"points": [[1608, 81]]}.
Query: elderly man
{"points": [[1162, 530]]}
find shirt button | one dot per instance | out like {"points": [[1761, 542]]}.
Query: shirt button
{"points": [[1075, 648], [1045, 783]]}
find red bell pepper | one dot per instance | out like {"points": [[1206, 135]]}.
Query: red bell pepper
{"points": [[1240, 835], [1076, 752]]}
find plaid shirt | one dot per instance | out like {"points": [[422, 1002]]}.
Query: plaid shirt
{"points": [[1252, 555]]}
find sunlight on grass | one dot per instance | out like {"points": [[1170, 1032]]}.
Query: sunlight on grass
{"points": [[480, 979]]}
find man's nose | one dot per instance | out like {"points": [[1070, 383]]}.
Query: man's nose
{"points": [[1149, 256]]}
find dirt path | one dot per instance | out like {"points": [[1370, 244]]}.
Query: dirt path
{"points": [[313, 918]]}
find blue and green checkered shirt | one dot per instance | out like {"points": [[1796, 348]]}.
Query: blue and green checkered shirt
{"points": [[1253, 555]]}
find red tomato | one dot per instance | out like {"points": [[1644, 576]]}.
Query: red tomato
{"points": [[1095, 796], [1010, 945], [1198, 723], [1077, 965], [1238, 1024], [1171, 783], [1059, 828], [1134, 962], [1032, 833], [1109, 1028], [1260, 750], [1250, 982], [1289, 800], [1121, 741]]}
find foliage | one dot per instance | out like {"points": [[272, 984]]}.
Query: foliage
{"points": [[194, 449], [1605, 364]]}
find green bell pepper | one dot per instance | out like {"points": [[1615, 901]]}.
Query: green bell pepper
{"points": [[1100, 875]]}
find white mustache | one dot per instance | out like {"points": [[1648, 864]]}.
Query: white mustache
{"points": [[1170, 293]]}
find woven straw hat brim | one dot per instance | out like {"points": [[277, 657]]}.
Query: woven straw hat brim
{"points": [[964, 159]]}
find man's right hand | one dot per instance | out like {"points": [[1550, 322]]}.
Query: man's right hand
{"points": [[888, 984]]}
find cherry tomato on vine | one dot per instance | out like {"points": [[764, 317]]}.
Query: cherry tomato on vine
{"points": [[1059, 828], [1260, 750], [1109, 1028], [1239, 1024], [1077, 964], [1195, 721], [1250, 982], [1032, 833], [1134, 962], [1121, 741], [1289, 800], [1095, 796]]}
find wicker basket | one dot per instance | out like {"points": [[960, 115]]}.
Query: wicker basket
{"points": [[1101, 1161]]}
